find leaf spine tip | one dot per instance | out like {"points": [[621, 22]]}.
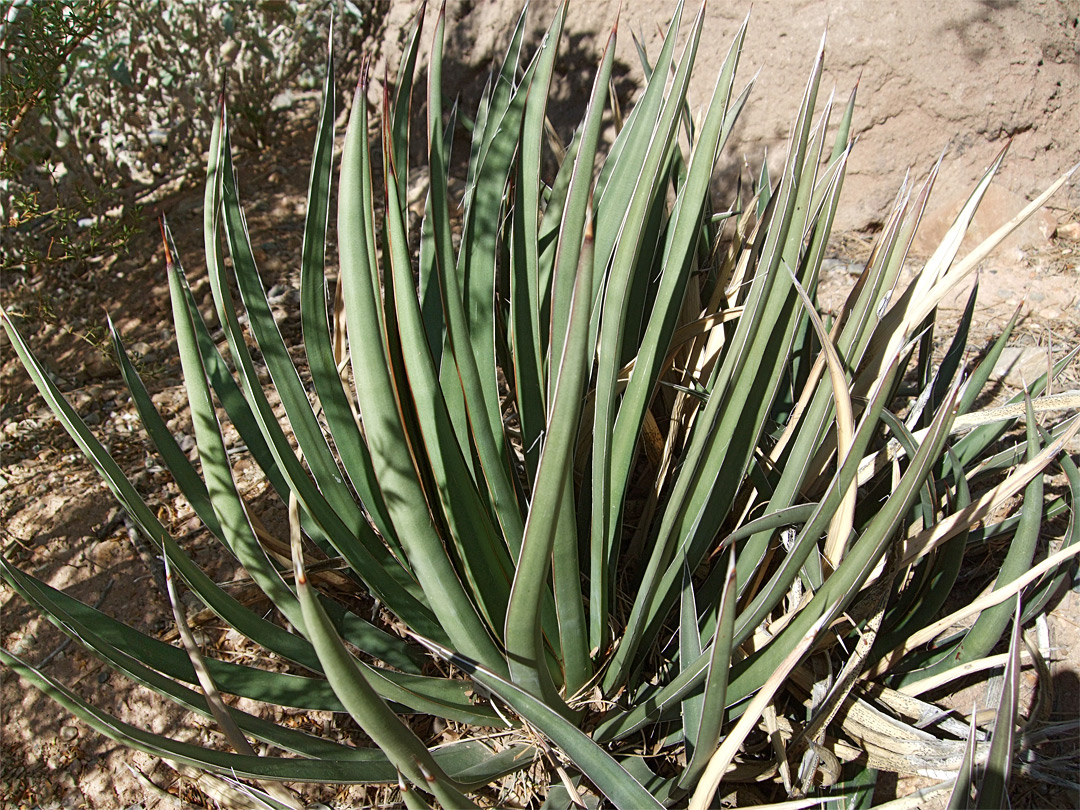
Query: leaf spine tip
{"points": [[165, 243], [365, 73]]}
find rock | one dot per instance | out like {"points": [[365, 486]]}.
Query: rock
{"points": [[186, 441], [1018, 366], [97, 365], [104, 553], [1070, 231]]}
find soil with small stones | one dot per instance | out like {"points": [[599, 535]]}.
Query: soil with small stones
{"points": [[59, 522]]}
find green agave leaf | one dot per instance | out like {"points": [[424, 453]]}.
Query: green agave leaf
{"points": [[817, 516], [352, 450], [497, 100], [237, 409], [714, 700], [558, 798], [272, 636], [473, 764], [823, 205], [708, 477], [960, 797], [984, 634], [412, 798], [484, 557], [664, 790], [526, 292], [787, 518], [752, 552], [358, 631], [215, 702], [764, 186], [122, 650], [860, 790], [690, 650], [484, 205], [992, 792], [309, 436], [618, 723], [566, 580], [620, 172], [1049, 586], [400, 114], [523, 636], [569, 377], [975, 443], [857, 565], [375, 389], [468, 547], [237, 531], [550, 249], [182, 470], [363, 703], [900, 322], [369, 558], [687, 118], [910, 444], [982, 371], [595, 763], [872, 300], [436, 240], [416, 693], [917, 606], [227, 503], [950, 363], [807, 539], [614, 308], [463, 385], [808, 429], [436, 244]]}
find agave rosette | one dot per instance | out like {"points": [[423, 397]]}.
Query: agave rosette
{"points": [[593, 445]]}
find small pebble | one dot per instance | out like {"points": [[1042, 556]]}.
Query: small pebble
{"points": [[69, 733], [1069, 231]]}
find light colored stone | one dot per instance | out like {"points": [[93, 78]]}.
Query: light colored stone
{"points": [[1070, 231], [1019, 365]]}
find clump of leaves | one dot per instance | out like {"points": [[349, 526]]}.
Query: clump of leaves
{"points": [[635, 517]]}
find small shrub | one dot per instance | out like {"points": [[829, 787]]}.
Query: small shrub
{"points": [[105, 101]]}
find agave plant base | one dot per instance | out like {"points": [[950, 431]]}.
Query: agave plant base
{"points": [[581, 501]]}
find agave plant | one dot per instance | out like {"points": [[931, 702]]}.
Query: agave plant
{"points": [[623, 499]]}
